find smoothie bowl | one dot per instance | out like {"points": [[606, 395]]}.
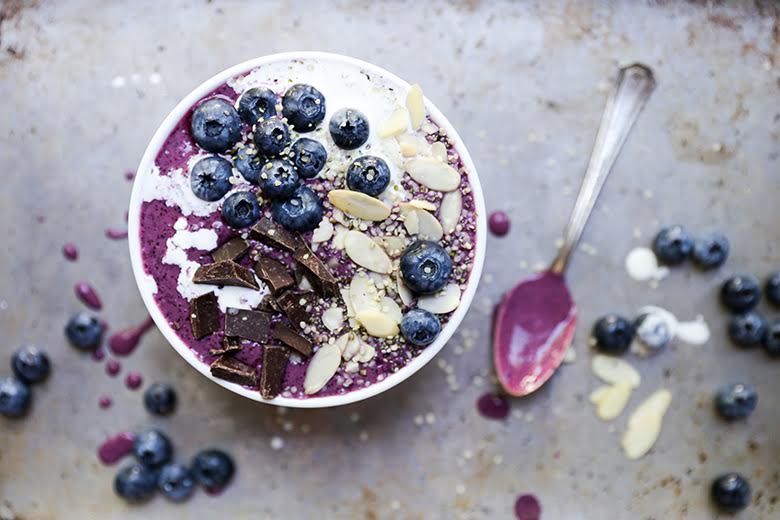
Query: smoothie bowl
{"points": [[306, 229]]}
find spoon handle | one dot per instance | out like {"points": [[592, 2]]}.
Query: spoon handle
{"points": [[634, 85]]}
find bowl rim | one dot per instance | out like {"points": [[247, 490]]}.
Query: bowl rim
{"points": [[134, 241]]}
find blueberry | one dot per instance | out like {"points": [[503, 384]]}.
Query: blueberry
{"points": [[773, 289], [747, 329], [215, 126], [15, 397], [653, 333], [735, 401], [249, 163], [304, 107], [240, 209], [301, 212], [613, 334], [771, 341], [349, 128], [369, 175], [672, 245], [135, 483], [731, 492], [152, 448], [30, 364], [420, 327], [272, 136], [210, 178], [710, 250], [425, 267], [176, 482], [278, 179], [308, 156], [160, 399], [213, 468], [257, 103], [740, 293], [84, 331]]}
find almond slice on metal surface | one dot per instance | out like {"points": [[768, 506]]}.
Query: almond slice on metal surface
{"points": [[439, 150], [359, 205], [416, 105], [610, 401], [363, 294], [367, 253], [446, 300], [450, 209], [433, 173], [377, 324], [403, 291], [428, 227], [323, 232], [614, 370], [322, 367], [644, 424], [396, 124], [333, 318], [412, 222]]}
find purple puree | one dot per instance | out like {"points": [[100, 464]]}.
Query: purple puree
{"points": [[124, 342], [116, 447], [70, 251], [527, 507], [533, 328], [86, 293], [493, 406]]}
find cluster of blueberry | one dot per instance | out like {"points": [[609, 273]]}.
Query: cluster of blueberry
{"points": [[154, 469], [675, 244], [740, 294], [30, 365]]}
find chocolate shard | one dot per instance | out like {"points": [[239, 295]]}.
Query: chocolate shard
{"points": [[272, 371], [275, 235], [226, 273], [233, 249], [293, 303], [274, 273], [204, 315], [292, 339], [319, 274], [230, 345], [251, 325], [233, 370], [268, 304]]}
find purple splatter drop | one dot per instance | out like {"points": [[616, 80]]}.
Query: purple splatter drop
{"points": [[493, 406], [116, 447], [70, 252], [527, 507], [134, 380], [498, 222], [88, 296]]}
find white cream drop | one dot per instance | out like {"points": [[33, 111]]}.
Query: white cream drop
{"points": [[642, 265]]}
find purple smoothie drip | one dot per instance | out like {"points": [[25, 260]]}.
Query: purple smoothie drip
{"points": [[116, 234], [113, 367], [98, 354], [527, 507], [498, 222], [129, 175], [125, 341], [86, 293], [104, 402], [493, 406], [134, 380], [70, 252], [116, 447]]}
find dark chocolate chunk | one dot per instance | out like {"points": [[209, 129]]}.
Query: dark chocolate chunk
{"points": [[233, 249], [251, 325], [233, 370], [293, 304], [292, 339], [225, 273], [272, 371], [204, 315], [319, 274], [274, 273], [268, 304], [272, 234], [230, 345]]}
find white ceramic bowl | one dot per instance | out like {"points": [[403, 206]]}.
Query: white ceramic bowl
{"points": [[135, 244]]}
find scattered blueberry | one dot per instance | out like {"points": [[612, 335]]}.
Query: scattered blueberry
{"points": [[711, 250], [736, 401], [215, 126], [213, 468], [420, 327], [210, 178], [135, 483], [272, 136], [731, 492], [613, 334], [304, 107], [301, 212], [15, 397], [160, 399], [653, 333], [240, 209], [672, 245], [308, 156], [772, 340], [84, 331], [278, 179], [257, 103], [368, 174], [249, 163], [349, 128], [747, 329], [740, 293], [425, 267], [152, 448], [773, 289], [30, 364], [176, 482]]}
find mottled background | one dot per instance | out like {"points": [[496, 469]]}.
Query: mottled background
{"points": [[83, 86]]}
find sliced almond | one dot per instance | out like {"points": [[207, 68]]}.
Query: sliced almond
{"points": [[412, 223], [333, 318], [339, 234], [598, 394], [351, 367], [414, 204], [571, 355], [433, 173], [428, 227], [323, 232], [450, 209], [644, 424], [347, 302], [380, 280], [403, 291], [322, 367], [446, 300], [614, 370], [396, 124], [611, 400], [416, 105], [367, 253], [377, 324], [348, 344], [365, 353], [359, 205], [392, 245], [409, 144], [391, 309], [439, 150], [363, 294]]}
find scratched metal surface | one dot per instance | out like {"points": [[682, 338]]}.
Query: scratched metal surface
{"points": [[524, 83]]}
